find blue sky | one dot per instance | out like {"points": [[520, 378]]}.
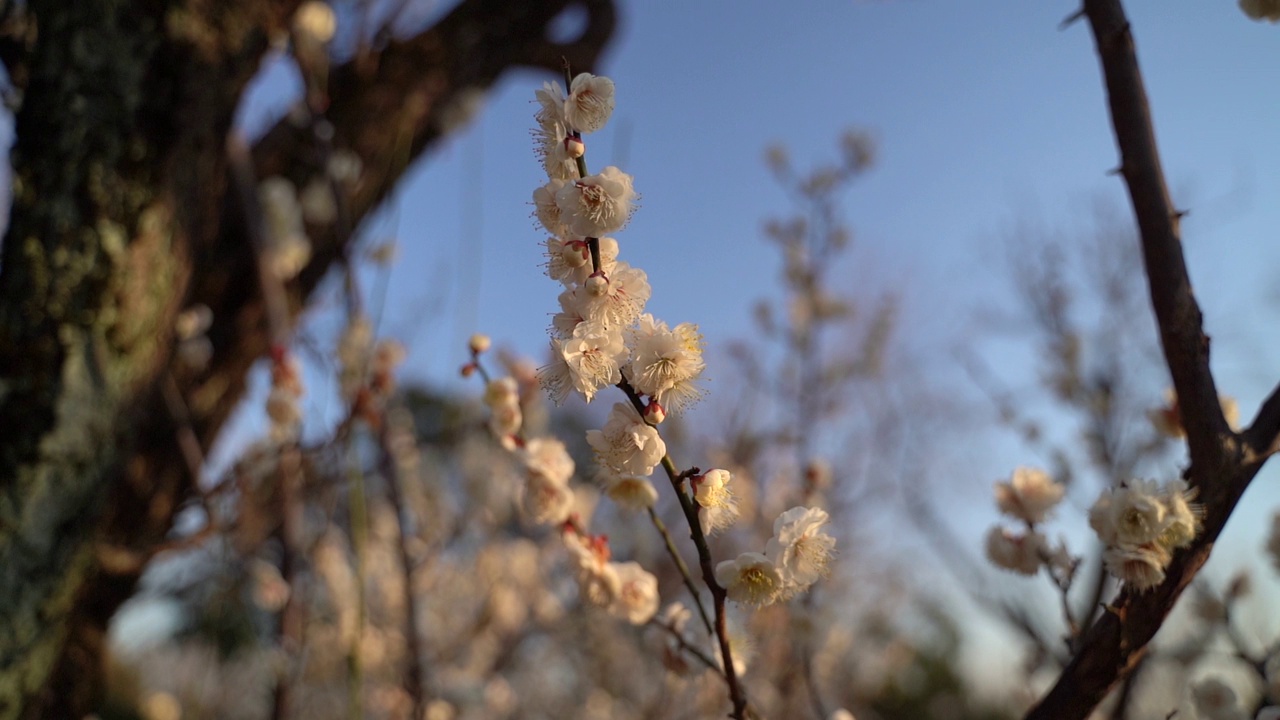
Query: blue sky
{"points": [[984, 114]]}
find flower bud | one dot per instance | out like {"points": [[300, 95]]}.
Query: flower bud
{"points": [[597, 284], [653, 413], [575, 253], [467, 370], [574, 147], [479, 343]]}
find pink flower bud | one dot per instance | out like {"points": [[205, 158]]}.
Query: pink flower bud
{"points": [[479, 343], [597, 284], [653, 413]]}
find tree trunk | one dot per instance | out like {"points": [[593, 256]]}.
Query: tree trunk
{"points": [[123, 215]]}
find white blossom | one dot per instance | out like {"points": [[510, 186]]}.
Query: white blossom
{"points": [[598, 581], [316, 20], [627, 444], [547, 458], [630, 491], [717, 508], [621, 299], [287, 247], [666, 363], [550, 144], [545, 501], [1028, 495], [569, 261], [546, 209], [590, 102], [799, 548], [1021, 553], [597, 205], [637, 598], [1131, 514], [550, 102], [1140, 566], [590, 358], [751, 579]]}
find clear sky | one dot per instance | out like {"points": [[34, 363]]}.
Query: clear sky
{"points": [[984, 113]]}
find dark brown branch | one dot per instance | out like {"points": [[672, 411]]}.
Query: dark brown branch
{"points": [[1115, 645]]}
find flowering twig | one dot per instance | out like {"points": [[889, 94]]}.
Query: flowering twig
{"points": [[1219, 468]]}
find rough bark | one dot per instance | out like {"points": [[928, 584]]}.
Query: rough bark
{"points": [[121, 217], [1223, 462]]}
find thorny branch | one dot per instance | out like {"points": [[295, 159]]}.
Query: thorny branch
{"points": [[1222, 462]]}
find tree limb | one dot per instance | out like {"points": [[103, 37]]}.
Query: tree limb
{"points": [[1219, 470]]}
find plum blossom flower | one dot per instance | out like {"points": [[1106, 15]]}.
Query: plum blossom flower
{"points": [[547, 457], [590, 102], [598, 581], [1131, 514], [1141, 524], [597, 205], [287, 247], [1140, 566], [666, 363], [587, 360], [627, 444], [546, 209], [751, 579], [618, 301], [551, 143], [550, 100], [630, 491], [637, 598], [799, 548], [717, 508], [1028, 495], [1020, 553], [546, 502], [569, 262]]}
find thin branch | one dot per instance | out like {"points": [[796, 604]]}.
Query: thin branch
{"points": [[682, 567]]}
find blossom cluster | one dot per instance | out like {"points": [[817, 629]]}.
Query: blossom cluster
{"points": [[1141, 523], [625, 590], [601, 334], [797, 556], [1027, 496]]}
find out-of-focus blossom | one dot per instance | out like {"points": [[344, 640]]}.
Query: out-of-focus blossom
{"points": [[1022, 553], [627, 444], [799, 548], [1028, 495]]}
